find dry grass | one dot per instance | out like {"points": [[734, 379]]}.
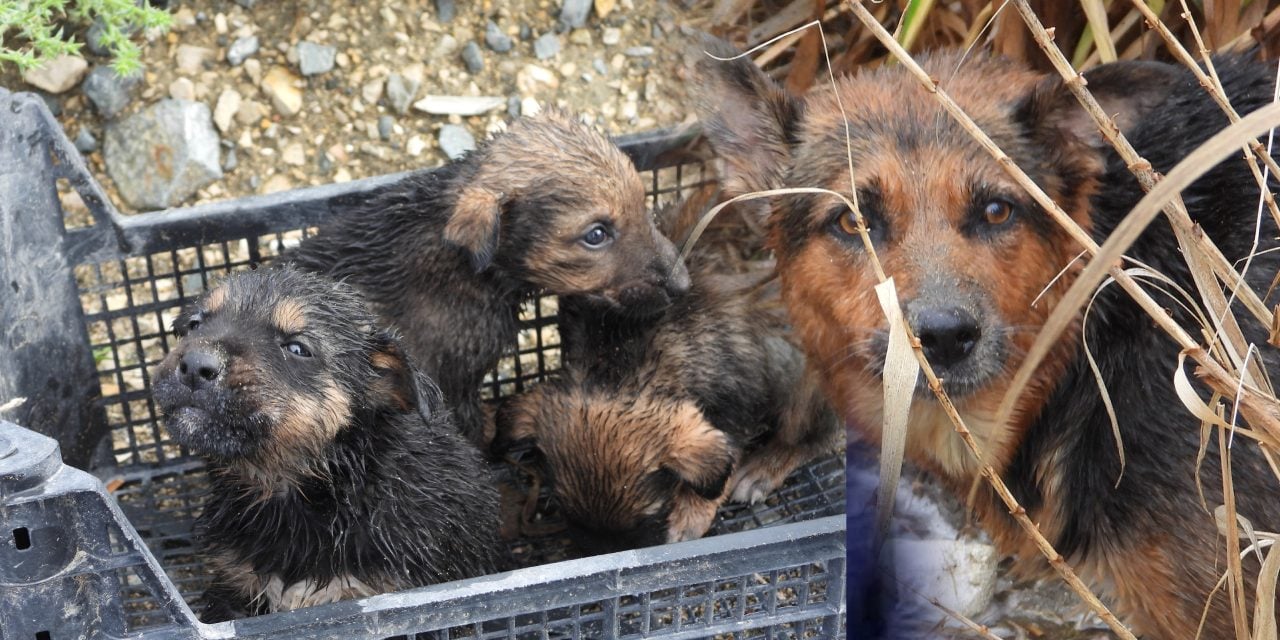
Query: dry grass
{"points": [[1085, 33]]}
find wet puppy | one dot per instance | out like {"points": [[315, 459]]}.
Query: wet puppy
{"points": [[976, 263], [655, 421], [448, 256], [335, 470]]}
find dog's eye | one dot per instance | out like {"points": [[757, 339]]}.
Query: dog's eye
{"points": [[998, 212], [193, 322], [297, 349], [596, 236]]}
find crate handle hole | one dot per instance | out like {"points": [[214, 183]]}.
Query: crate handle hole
{"points": [[43, 635], [22, 540]]}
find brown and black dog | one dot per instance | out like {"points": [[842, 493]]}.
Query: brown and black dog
{"points": [[974, 259], [335, 470], [447, 256]]}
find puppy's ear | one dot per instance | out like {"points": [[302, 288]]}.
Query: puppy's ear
{"points": [[398, 385], [474, 223], [700, 455], [749, 119], [516, 421], [1127, 91]]}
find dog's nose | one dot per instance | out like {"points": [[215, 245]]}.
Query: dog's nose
{"points": [[947, 335], [677, 283], [199, 369]]}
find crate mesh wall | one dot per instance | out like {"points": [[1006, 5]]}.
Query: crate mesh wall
{"points": [[129, 305]]}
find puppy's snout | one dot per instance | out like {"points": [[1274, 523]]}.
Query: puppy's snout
{"points": [[200, 369], [677, 283], [947, 334], [670, 268]]}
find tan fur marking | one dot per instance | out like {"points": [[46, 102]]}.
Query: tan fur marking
{"points": [[214, 300], [289, 316]]}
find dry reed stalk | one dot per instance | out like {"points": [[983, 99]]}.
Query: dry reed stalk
{"points": [[1056, 561], [1234, 569]]}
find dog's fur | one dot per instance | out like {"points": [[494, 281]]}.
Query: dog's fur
{"points": [[335, 469], [936, 205], [655, 421], [448, 256]]}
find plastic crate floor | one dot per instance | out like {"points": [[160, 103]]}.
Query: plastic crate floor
{"points": [[163, 502]]}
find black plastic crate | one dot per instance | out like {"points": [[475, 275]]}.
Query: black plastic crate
{"points": [[86, 306]]}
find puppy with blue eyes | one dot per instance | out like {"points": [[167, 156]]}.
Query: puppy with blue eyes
{"points": [[335, 469]]}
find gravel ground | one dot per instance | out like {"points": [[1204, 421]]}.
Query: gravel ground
{"points": [[278, 128]]}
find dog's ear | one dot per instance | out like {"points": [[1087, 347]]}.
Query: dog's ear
{"points": [[1127, 91], [516, 422], [474, 224], [749, 119], [700, 455], [397, 384]]}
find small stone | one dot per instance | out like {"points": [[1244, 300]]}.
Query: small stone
{"points": [[638, 52], [341, 175], [315, 59], [183, 19], [249, 113], [278, 85], [459, 105], [611, 36], [446, 10], [495, 39], [573, 13], [400, 92], [97, 30], [473, 58], [182, 89], [603, 7], [85, 142], [108, 92], [599, 66], [190, 60], [546, 46], [526, 32], [337, 153], [513, 106], [294, 154], [529, 107], [568, 69], [342, 59], [254, 70], [162, 155], [230, 162], [532, 78], [415, 146], [581, 37], [227, 107], [630, 110], [386, 125], [220, 24], [456, 141], [51, 101], [372, 90], [241, 49], [248, 4], [57, 75], [275, 184], [445, 46], [373, 150]]}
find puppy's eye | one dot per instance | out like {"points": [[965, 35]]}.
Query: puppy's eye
{"points": [[998, 212], [597, 236], [297, 349], [194, 322], [848, 222]]}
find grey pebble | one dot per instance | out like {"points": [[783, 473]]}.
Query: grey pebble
{"points": [[230, 162], [496, 39], [473, 58], [85, 142], [179, 130], [108, 92], [446, 10], [573, 13], [386, 126], [546, 46], [242, 49], [599, 66], [400, 92], [456, 141], [638, 52], [315, 59], [513, 106], [248, 4]]}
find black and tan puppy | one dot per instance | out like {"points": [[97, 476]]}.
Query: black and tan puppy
{"points": [[448, 256], [655, 421], [335, 470], [976, 263]]}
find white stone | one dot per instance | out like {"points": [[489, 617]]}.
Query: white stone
{"points": [[58, 75], [226, 108], [460, 105]]}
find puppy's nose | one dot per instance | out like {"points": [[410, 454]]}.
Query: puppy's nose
{"points": [[199, 369], [947, 335], [677, 283]]}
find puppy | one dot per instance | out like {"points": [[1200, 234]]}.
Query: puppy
{"points": [[448, 256], [975, 261], [335, 470], [655, 422]]}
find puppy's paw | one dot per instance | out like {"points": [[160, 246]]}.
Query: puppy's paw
{"points": [[755, 480]]}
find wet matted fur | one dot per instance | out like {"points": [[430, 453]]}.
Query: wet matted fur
{"points": [[334, 467], [971, 254], [449, 255]]}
